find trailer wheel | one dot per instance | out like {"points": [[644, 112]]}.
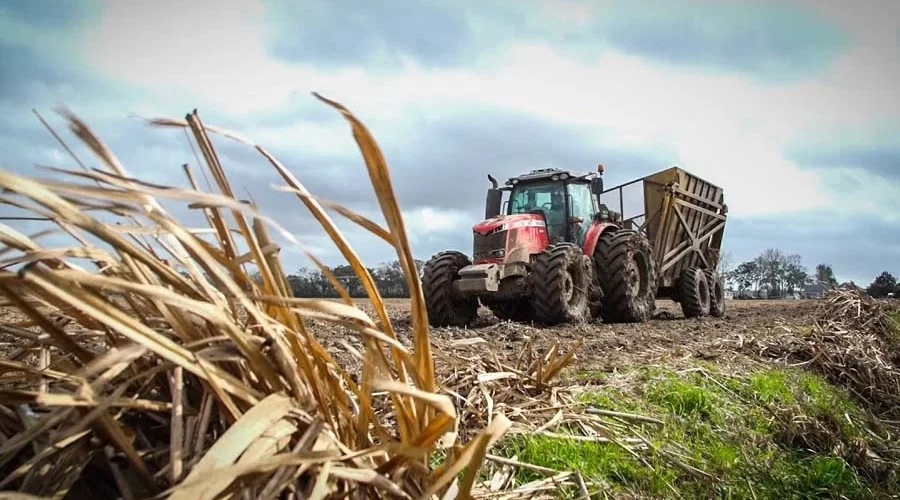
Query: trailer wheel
{"points": [[516, 310], [716, 295], [627, 276], [444, 308], [693, 292], [561, 279]]}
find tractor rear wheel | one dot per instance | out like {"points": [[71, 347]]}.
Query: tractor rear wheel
{"points": [[516, 310], [693, 292], [626, 273], [716, 295], [561, 282], [596, 294], [443, 306]]}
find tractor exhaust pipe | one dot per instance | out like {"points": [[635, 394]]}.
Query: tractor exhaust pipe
{"points": [[494, 200]]}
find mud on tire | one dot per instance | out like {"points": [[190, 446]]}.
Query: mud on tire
{"points": [[693, 292], [444, 309], [596, 296], [561, 282], [626, 273], [716, 294]]}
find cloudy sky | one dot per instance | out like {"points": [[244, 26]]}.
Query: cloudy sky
{"points": [[790, 106]]}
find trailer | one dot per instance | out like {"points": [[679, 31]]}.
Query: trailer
{"points": [[683, 218]]}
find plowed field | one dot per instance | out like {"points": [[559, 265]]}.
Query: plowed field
{"points": [[669, 337]]}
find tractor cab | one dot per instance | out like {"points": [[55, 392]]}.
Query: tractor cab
{"points": [[566, 201]]}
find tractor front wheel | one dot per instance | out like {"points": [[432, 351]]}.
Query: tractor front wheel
{"points": [[693, 292], [443, 306], [627, 276], [561, 283]]}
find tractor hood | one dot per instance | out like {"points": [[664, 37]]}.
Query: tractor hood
{"points": [[504, 222]]}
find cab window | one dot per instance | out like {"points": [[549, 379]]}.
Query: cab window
{"points": [[581, 202], [581, 205], [532, 196]]}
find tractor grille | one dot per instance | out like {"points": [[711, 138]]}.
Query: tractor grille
{"points": [[490, 246]]}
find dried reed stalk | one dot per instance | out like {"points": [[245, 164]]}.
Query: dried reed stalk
{"points": [[175, 374], [853, 342]]}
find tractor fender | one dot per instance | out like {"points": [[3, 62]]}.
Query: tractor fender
{"points": [[593, 235]]}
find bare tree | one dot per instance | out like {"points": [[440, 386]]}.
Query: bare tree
{"points": [[825, 275], [725, 261], [771, 264], [773, 270]]}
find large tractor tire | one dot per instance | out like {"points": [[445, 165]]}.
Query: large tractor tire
{"points": [[444, 308], [626, 273], [716, 294], [516, 310], [561, 282], [693, 292], [596, 295]]}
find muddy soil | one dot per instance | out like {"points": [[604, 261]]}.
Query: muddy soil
{"points": [[667, 339]]}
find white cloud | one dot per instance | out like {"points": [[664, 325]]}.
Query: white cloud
{"points": [[723, 128], [54, 157], [433, 221], [208, 48], [864, 193], [311, 138], [425, 222], [755, 176]]}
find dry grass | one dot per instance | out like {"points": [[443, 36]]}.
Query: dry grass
{"points": [[853, 342], [168, 372]]}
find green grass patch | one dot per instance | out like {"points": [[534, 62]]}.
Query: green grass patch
{"points": [[779, 433], [589, 376], [894, 324], [605, 463], [685, 398], [770, 387]]}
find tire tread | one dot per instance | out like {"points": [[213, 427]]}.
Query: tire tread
{"points": [[612, 257], [548, 284], [438, 276]]}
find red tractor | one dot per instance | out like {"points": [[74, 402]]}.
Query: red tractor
{"points": [[550, 253]]}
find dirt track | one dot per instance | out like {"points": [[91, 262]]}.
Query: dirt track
{"points": [[666, 339]]}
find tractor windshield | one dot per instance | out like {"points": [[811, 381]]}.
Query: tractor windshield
{"points": [[534, 196], [548, 197]]}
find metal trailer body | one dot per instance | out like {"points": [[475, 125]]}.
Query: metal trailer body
{"points": [[684, 220]]}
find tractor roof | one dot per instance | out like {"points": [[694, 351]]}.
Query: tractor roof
{"points": [[544, 174]]}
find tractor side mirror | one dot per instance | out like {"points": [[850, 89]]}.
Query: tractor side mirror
{"points": [[493, 203], [597, 186]]}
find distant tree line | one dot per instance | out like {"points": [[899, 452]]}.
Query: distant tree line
{"points": [[885, 284], [777, 274], [388, 277], [772, 273]]}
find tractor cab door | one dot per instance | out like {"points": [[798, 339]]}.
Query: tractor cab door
{"points": [[581, 210], [547, 198], [556, 215]]}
